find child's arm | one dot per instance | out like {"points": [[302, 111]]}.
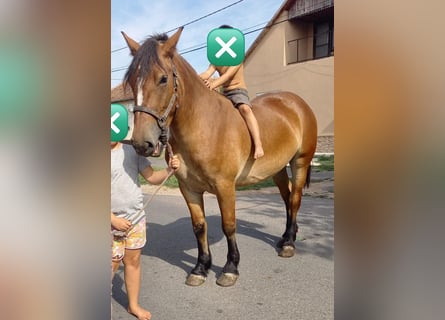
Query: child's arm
{"points": [[225, 77], [156, 177], [120, 224], [208, 73]]}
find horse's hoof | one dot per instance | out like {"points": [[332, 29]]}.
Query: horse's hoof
{"points": [[195, 280], [287, 252], [227, 279]]}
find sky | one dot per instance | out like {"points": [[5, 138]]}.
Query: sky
{"points": [[142, 18]]}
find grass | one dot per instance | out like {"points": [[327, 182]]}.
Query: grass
{"points": [[171, 182], [326, 163]]}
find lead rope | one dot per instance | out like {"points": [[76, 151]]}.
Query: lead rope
{"points": [[170, 153]]}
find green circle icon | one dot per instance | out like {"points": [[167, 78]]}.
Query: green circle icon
{"points": [[119, 122], [225, 47]]}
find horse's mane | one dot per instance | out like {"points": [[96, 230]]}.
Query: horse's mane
{"points": [[145, 57]]}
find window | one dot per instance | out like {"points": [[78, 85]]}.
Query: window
{"points": [[311, 31], [323, 39]]}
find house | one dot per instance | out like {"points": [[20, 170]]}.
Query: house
{"points": [[121, 95], [295, 52]]}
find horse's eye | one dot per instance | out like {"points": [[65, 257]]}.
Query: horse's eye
{"points": [[163, 80]]}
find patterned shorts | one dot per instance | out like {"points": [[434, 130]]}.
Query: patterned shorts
{"points": [[135, 239], [238, 96]]}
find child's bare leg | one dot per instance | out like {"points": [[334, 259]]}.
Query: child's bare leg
{"points": [[132, 273], [114, 267], [254, 130]]}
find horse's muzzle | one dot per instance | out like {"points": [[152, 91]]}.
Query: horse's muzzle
{"points": [[145, 148]]}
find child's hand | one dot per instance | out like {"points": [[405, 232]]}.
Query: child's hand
{"points": [[207, 83], [121, 224], [174, 163], [210, 84]]}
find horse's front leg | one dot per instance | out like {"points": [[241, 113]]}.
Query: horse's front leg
{"points": [[195, 203], [226, 201]]}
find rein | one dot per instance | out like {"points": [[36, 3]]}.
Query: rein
{"points": [[170, 152]]}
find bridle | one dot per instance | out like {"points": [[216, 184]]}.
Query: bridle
{"points": [[162, 123], [162, 119]]}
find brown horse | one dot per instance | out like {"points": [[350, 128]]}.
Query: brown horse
{"points": [[214, 146]]}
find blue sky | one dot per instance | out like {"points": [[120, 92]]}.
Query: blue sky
{"points": [[142, 18]]}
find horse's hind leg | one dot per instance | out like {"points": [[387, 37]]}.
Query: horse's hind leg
{"points": [[281, 179], [195, 203], [292, 199]]}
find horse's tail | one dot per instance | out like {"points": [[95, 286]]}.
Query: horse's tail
{"points": [[308, 176]]}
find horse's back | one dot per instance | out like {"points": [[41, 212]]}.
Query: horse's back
{"points": [[284, 103]]}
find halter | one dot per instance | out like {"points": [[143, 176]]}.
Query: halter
{"points": [[162, 120]]}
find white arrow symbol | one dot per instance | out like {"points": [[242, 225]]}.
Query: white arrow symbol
{"points": [[225, 47], [114, 118]]}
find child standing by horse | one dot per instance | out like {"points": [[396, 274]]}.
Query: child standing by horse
{"points": [[128, 221], [231, 78]]}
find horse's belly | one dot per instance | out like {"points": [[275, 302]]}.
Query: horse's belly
{"points": [[260, 173]]}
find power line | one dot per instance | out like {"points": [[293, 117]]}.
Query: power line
{"points": [[207, 15], [204, 44], [193, 21], [244, 33], [119, 69]]}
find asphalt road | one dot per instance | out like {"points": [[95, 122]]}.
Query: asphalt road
{"points": [[269, 287]]}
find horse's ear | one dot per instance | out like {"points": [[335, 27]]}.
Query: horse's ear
{"points": [[170, 44], [133, 45]]}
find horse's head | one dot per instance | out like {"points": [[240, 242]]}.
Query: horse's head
{"points": [[153, 79]]}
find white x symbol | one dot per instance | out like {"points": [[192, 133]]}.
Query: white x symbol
{"points": [[225, 47], [113, 126]]}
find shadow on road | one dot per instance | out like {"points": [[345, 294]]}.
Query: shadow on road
{"points": [[172, 241]]}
